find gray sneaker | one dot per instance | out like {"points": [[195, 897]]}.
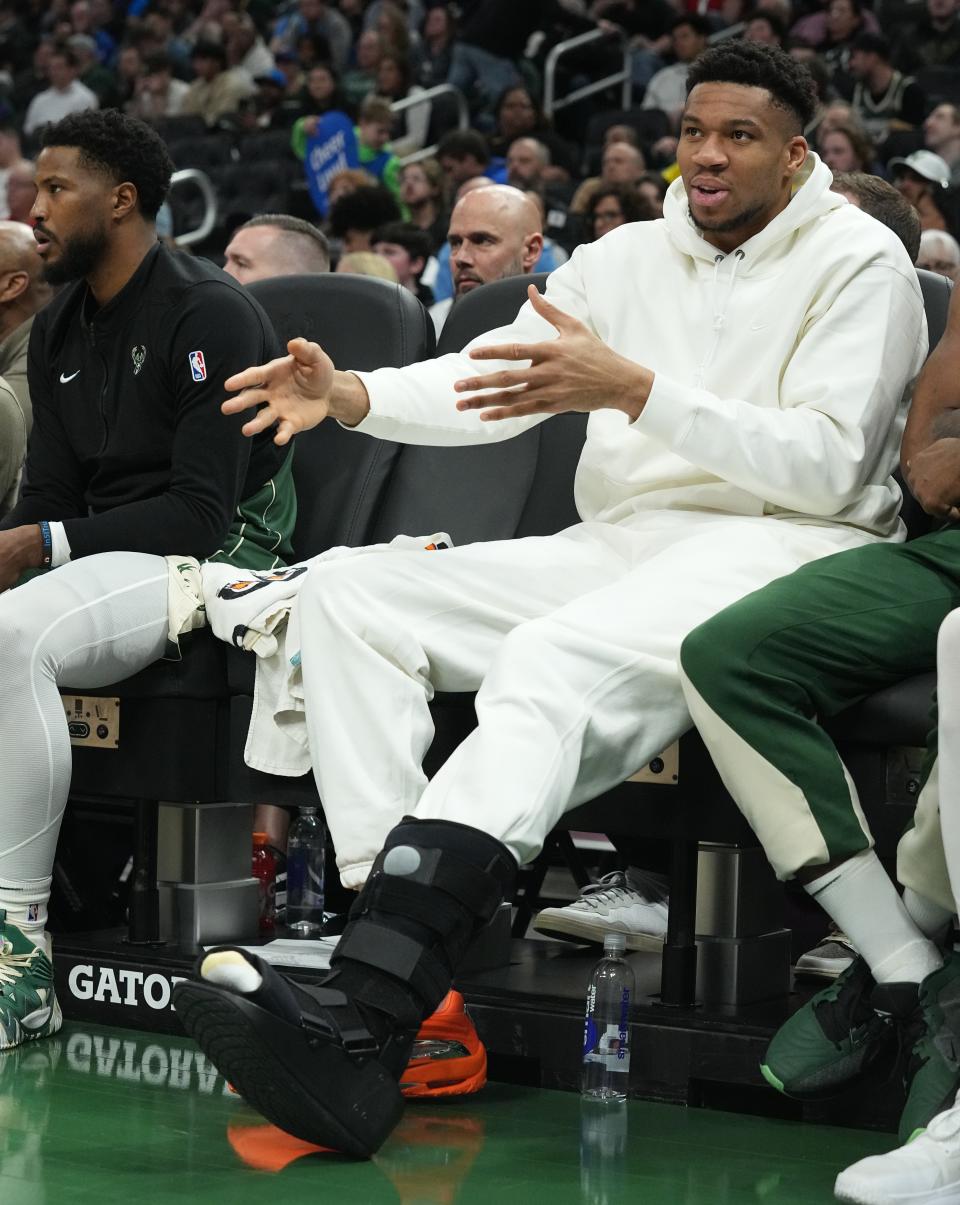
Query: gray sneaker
{"points": [[631, 902], [828, 959]]}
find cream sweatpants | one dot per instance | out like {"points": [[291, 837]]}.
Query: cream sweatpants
{"points": [[571, 641]]}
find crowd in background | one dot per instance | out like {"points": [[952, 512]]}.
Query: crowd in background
{"points": [[887, 75]]}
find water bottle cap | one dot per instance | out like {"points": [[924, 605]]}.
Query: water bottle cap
{"points": [[261, 838], [614, 943]]}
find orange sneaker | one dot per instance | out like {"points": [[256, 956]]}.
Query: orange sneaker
{"points": [[448, 1058]]}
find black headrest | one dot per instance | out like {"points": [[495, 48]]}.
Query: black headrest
{"points": [[936, 291], [486, 308], [364, 323]]}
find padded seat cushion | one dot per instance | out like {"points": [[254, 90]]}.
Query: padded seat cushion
{"points": [[898, 715]]}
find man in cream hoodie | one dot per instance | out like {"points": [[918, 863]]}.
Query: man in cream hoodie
{"points": [[746, 363]]}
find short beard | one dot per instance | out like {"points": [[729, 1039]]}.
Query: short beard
{"points": [[78, 257], [739, 220]]}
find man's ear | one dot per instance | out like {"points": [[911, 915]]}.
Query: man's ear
{"points": [[15, 284], [532, 250], [124, 199]]}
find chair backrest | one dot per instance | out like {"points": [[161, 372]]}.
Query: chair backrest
{"points": [[362, 323], [474, 493]]}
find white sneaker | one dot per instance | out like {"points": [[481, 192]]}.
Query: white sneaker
{"points": [[924, 1171], [633, 903], [828, 959]]}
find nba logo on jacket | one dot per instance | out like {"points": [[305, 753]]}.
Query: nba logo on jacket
{"points": [[198, 367]]}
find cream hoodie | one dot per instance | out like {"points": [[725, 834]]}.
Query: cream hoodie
{"points": [[783, 370]]}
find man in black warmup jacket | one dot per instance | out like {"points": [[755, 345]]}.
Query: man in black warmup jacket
{"points": [[131, 469]]}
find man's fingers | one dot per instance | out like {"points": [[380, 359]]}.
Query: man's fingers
{"points": [[260, 421], [244, 401], [307, 354], [510, 351], [256, 375], [496, 380], [546, 309], [507, 409]]}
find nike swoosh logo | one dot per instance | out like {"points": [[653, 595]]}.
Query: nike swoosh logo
{"points": [[63, 379]]}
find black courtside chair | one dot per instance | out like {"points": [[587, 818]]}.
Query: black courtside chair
{"points": [[176, 716]]}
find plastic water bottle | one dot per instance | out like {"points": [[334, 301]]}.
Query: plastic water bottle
{"points": [[305, 874], [606, 1027]]}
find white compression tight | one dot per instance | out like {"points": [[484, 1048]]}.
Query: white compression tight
{"points": [[87, 624]]}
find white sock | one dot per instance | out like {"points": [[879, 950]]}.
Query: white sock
{"points": [[859, 896], [930, 918], [26, 907]]}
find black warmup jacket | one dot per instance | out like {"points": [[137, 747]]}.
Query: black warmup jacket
{"points": [[129, 448]]}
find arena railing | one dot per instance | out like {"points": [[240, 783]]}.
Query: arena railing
{"points": [[551, 103], [427, 96], [192, 177]]}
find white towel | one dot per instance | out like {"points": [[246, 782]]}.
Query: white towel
{"points": [[258, 611]]}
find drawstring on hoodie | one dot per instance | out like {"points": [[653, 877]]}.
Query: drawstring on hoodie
{"points": [[720, 304]]}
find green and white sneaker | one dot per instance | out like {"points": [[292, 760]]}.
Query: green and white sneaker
{"points": [[929, 1022], [28, 1002], [831, 1041]]}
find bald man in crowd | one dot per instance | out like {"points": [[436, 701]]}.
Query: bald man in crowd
{"points": [[495, 231], [526, 160], [276, 244], [22, 292]]}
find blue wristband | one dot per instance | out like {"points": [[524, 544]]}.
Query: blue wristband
{"points": [[46, 559]]}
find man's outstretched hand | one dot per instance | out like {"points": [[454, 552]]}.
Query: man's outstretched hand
{"points": [[577, 371], [294, 392]]}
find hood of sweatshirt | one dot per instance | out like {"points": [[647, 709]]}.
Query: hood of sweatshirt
{"points": [[811, 200]]}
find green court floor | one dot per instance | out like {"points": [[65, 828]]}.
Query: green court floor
{"points": [[99, 1115]]}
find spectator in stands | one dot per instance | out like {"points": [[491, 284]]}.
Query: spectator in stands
{"points": [[941, 134], [621, 163], [373, 129], [407, 249], [883, 98], [847, 149], [408, 128], [668, 88], [653, 187], [357, 214], [421, 193], [321, 92], [526, 160], [367, 263], [939, 252], [764, 28], [10, 155], [107, 501], [65, 95], [246, 49], [934, 38], [21, 192], [361, 79], [348, 180], [464, 154], [157, 93], [922, 177], [882, 201], [495, 231], [437, 34], [91, 72], [275, 244], [129, 70], [614, 204], [318, 18], [217, 90], [833, 30], [84, 22], [572, 639], [518, 115], [22, 292]]}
